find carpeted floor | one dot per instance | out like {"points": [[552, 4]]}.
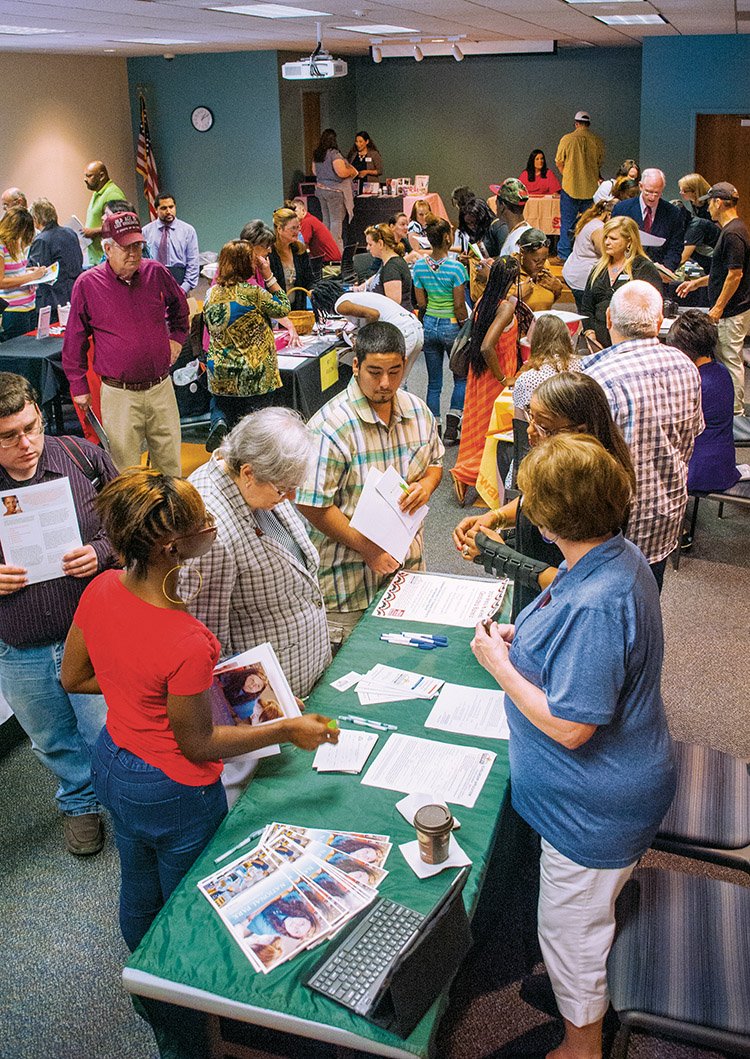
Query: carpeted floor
{"points": [[62, 953]]}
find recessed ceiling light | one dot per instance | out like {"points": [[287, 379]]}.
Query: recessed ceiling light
{"points": [[109, 51], [26, 31], [602, 2], [158, 41], [631, 20], [379, 31], [271, 11]]}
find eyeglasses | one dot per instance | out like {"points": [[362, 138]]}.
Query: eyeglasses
{"points": [[281, 493], [207, 532], [543, 432], [14, 440]]}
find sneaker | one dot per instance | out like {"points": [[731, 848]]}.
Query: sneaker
{"points": [[216, 435], [84, 834], [452, 429]]}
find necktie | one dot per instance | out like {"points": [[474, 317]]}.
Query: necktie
{"points": [[164, 245], [648, 220]]}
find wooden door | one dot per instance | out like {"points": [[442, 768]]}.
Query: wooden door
{"points": [[722, 147], [311, 125]]}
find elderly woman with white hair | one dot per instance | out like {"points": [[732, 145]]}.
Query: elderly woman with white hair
{"points": [[260, 578]]}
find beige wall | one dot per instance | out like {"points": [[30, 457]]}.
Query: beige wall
{"points": [[67, 111]]}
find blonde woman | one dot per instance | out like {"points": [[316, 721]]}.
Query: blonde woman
{"points": [[16, 235], [393, 278], [622, 259], [701, 233], [289, 260], [587, 247], [551, 352]]}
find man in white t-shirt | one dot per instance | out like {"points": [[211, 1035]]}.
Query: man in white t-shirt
{"points": [[366, 307]]}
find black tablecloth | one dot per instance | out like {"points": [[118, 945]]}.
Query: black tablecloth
{"points": [[301, 389], [39, 360]]}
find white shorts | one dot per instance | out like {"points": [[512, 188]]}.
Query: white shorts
{"points": [[576, 925]]}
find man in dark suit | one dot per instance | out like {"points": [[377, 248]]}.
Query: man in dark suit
{"points": [[654, 215]]}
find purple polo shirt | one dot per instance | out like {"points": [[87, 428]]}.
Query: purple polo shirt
{"points": [[131, 324], [42, 613]]}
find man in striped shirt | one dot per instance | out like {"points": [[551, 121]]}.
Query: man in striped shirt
{"points": [[654, 394], [370, 424]]}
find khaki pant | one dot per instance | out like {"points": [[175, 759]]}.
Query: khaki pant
{"points": [[341, 625], [131, 417], [732, 333]]}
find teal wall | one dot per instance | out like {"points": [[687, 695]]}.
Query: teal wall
{"points": [[682, 77], [475, 122], [224, 177]]}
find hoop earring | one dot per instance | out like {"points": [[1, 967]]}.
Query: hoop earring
{"points": [[188, 599]]}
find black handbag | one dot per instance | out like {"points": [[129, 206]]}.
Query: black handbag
{"points": [[458, 361]]}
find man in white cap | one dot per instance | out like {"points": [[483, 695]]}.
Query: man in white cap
{"points": [[728, 285], [579, 158]]}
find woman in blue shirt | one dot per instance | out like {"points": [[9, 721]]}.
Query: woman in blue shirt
{"points": [[590, 752]]}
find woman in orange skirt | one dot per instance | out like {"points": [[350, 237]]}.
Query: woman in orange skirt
{"points": [[492, 365]]}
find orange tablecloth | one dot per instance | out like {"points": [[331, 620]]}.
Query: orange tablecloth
{"points": [[500, 429], [543, 211]]}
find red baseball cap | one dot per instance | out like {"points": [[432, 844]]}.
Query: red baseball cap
{"points": [[124, 228]]}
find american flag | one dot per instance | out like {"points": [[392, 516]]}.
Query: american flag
{"points": [[145, 163]]}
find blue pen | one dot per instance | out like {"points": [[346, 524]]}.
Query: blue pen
{"points": [[439, 641]]}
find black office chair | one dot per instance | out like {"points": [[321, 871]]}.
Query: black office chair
{"points": [[365, 265], [680, 963], [348, 273], [709, 818]]}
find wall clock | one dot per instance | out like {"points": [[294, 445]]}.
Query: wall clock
{"points": [[202, 119]]}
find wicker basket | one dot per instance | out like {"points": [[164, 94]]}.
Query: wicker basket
{"points": [[303, 319]]}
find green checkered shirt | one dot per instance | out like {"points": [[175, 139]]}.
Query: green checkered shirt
{"points": [[352, 440]]}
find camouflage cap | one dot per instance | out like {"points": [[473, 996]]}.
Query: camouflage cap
{"points": [[512, 191]]}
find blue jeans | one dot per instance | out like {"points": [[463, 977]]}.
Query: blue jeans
{"points": [[62, 728], [570, 210], [439, 336], [160, 826]]}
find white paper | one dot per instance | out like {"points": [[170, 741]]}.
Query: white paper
{"points": [[470, 711], [454, 773], [647, 239], [347, 681], [348, 755], [77, 225], [439, 600], [388, 684], [379, 518], [43, 322], [50, 276], [38, 526], [412, 803], [456, 859]]}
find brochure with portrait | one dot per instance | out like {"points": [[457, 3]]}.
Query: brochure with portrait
{"points": [[251, 689], [38, 526]]}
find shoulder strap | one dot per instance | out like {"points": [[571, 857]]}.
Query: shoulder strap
{"points": [[76, 455]]}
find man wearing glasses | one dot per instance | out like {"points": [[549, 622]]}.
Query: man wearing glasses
{"points": [[35, 618], [122, 304]]}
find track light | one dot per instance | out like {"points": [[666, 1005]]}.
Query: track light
{"points": [[457, 53], [377, 55], [418, 53]]}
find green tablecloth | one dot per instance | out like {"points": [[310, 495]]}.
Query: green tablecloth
{"points": [[189, 946]]}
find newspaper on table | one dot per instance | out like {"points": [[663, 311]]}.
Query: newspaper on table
{"points": [[440, 599], [295, 889], [38, 526], [450, 771], [251, 689]]}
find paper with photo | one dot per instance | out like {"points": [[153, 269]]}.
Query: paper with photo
{"points": [[348, 755], [373, 849], [378, 517], [470, 711], [441, 600], [38, 526], [241, 874], [454, 773]]}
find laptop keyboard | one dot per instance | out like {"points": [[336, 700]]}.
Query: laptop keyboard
{"points": [[354, 972]]}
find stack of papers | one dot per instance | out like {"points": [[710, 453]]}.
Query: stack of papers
{"points": [[295, 889], [470, 711], [451, 772], [386, 684], [379, 517], [348, 755]]}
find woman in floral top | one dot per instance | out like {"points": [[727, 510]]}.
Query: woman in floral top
{"points": [[243, 369]]}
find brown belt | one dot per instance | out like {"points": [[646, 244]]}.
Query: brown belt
{"points": [[136, 386]]}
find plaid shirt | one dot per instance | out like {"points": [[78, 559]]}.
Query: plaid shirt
{"points": [[654, 393], [254, 589], [352, 440]]}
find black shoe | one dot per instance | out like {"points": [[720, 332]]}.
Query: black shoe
{"points": [[686, 543], [452, 429], [216, 435]]}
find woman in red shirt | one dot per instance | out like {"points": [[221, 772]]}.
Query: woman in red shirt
{"points": [[157, 763], [539, 180]]}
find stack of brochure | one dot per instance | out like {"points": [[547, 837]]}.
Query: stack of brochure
{"points": [[298, 887], [386, 684]]}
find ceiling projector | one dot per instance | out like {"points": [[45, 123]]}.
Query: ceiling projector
{"points": [[318, 65]]}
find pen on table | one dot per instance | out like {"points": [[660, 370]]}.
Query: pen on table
{"points": [[404, 642], [244, 842], [365, 722], [428, 637]]}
